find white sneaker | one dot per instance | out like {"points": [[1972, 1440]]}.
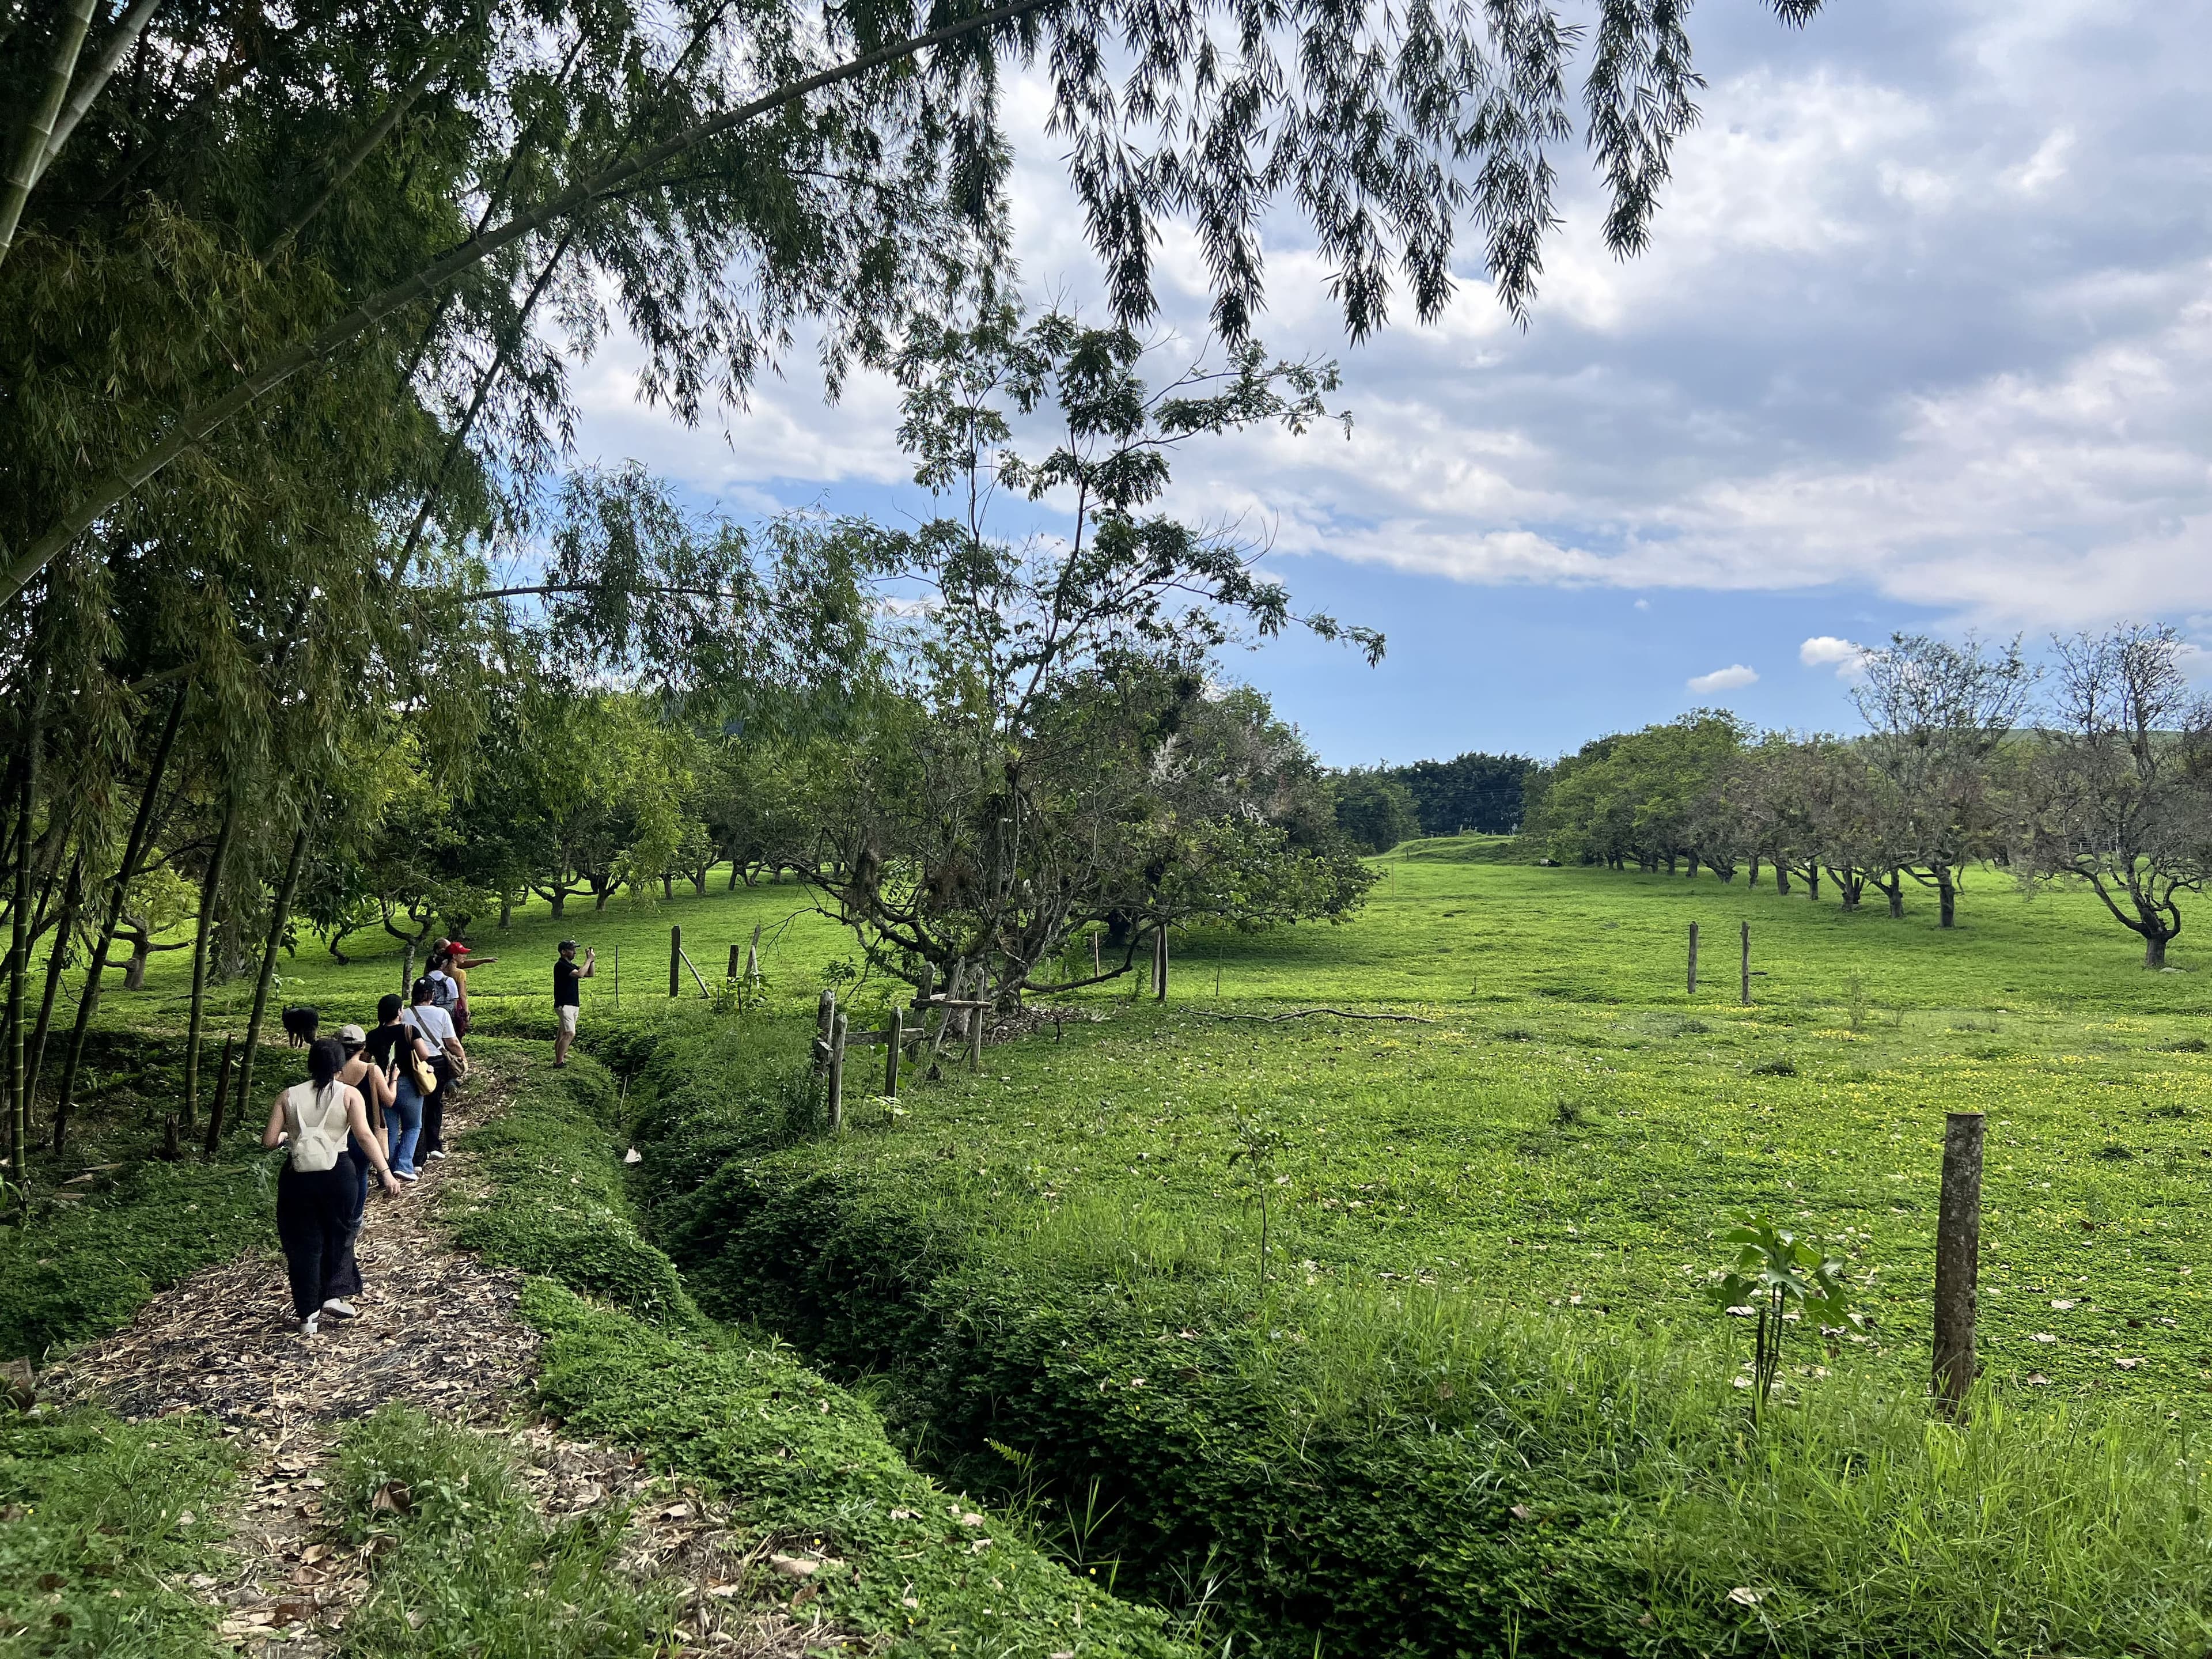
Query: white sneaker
{"points": [[440, 1153], [338, 1309], [408, 1174], [307, 1325]]}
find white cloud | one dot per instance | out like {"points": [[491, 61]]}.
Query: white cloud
{"points": [[1735, 675], [1826, 651]]}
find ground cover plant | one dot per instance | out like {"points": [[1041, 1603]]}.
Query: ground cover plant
{"points": [[100, 1521], [631, 1361]]}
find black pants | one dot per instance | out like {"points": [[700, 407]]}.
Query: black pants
{"points": [[344, 1279], [433, 1112], [315, 1223]]}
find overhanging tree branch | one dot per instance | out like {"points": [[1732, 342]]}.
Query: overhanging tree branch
{"points": [[116, 486]]}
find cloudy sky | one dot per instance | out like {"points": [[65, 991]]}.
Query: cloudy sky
{"points": [[1923, 341]]}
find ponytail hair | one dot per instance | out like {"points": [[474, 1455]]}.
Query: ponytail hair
{"points": [[324, 1060]]}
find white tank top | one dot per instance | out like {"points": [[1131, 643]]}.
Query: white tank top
{"points": [[318, 1123]]}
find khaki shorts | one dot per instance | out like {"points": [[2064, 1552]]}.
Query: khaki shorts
{"points": [[567, 1019]]}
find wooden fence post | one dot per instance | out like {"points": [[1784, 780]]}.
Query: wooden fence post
{"points": [[752, 958], [1747, 964], [825, 1017], [952, 994], [1693, 959], [617, 955], [1160, 966], [1096, 966], [675, 957], [837, 1073], [891, 1058], [980, 995], [734, 960], [1957, 1256]]}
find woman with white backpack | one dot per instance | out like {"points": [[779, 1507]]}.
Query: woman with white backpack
{"points": [[315, 1192]]}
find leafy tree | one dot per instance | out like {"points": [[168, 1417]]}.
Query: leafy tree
{"points": [[1374, 809], [1473, 791], [2116, 785], [1640, 797], [1937, 713], [1045, 752]]}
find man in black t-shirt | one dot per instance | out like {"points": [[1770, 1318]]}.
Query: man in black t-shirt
{"points": [[566, 997]]}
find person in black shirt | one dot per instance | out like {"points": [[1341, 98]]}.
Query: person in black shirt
{"points": [[566, 973]]}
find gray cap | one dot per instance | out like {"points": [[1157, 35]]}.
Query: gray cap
{"points": [[352, 1037]]}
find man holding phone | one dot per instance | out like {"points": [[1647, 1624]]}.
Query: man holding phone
{"points": [[567, 998]]}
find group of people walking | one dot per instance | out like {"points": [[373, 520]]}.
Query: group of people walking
{"points": [[373, 1101]]}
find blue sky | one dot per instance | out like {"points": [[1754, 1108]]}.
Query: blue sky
{"points": [[1923, 341]]}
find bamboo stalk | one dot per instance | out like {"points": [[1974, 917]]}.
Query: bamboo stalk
{"points": [[134, 850], [30, 154], [280, 913], [211, 893]]}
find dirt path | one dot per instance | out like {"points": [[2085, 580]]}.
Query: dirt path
{"points": [[436, 1329]]}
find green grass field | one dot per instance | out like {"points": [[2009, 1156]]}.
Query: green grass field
{"points": [[1479, 1346], [1572, 1124]]}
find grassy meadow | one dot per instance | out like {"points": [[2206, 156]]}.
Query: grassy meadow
{"points": [[1476, 1349], [1571, 1126]]}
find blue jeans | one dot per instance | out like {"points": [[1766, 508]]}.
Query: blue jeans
{"points": [[402, 1123]]}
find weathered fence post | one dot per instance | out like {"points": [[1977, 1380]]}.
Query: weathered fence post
{"points": [[732, 973], [1957, 1256], [1693, 959], [675, 957], [752, 958], [1097, 967], [825, 1014], [982, 998], [617, 956], [837, 1073], [1160, 966], [891, 1059], [1747, 964], [951, 993]]}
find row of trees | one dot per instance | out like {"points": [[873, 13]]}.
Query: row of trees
{"points": [[2099, 770]]}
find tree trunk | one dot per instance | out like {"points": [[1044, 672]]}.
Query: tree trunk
{"points": [[57, 959], [1813, 883], [2155, 947], [559, 902], [133, 850], [1754, 882], [19, 949], [1894, 887], [505, 908], [134, 971], [1782, 877], [279, 912], [736, 866], [1947, 897], [211, 893]]}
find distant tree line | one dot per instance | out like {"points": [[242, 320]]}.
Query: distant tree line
{"points": [[2097, 771]]}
